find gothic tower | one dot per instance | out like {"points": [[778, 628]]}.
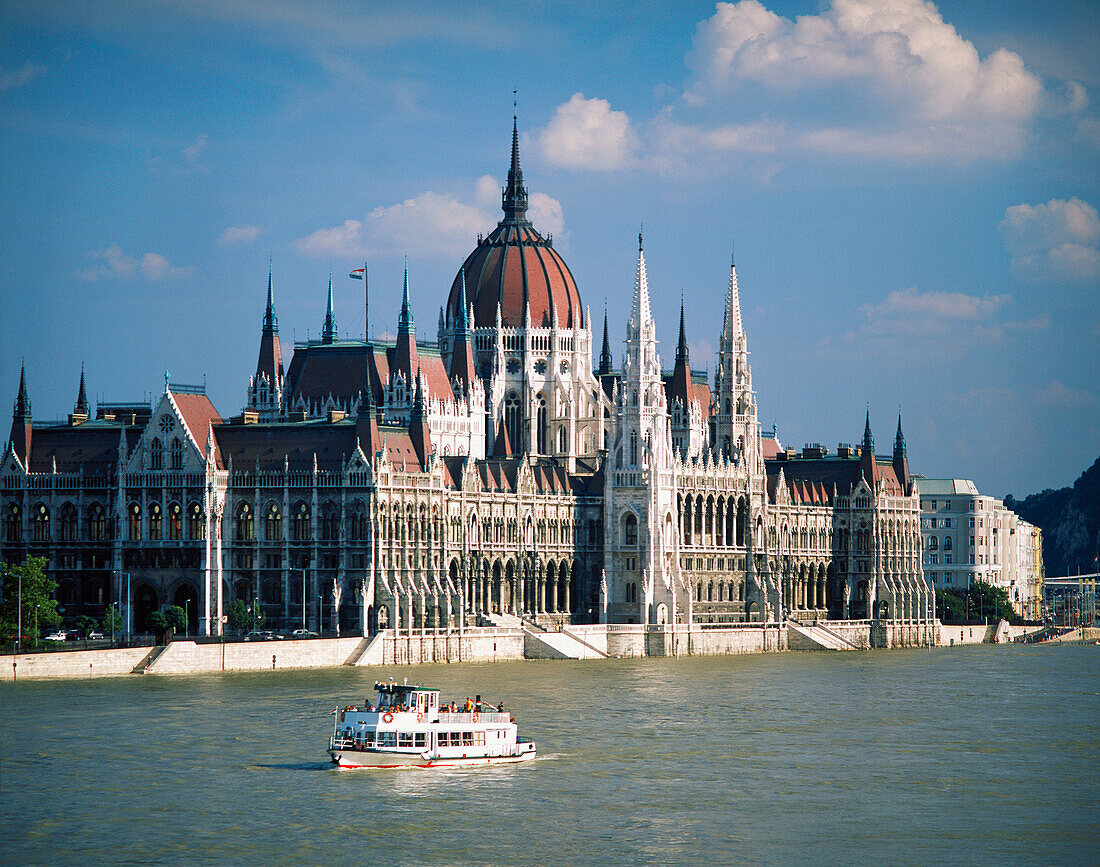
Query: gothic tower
{"points": [[265, 388]]}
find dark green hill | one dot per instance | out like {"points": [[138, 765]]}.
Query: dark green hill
{"points": [[1070, 521]]}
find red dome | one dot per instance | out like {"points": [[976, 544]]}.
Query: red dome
{"points": [[516, 267]]}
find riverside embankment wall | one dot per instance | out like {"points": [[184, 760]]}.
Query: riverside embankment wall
{"points": [[72, 663]]}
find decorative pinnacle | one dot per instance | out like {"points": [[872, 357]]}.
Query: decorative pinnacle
{"points": [[868, 440], [270, 319], [82, 395]]}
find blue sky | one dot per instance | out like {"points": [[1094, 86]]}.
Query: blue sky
{"points": [[912, 188]]}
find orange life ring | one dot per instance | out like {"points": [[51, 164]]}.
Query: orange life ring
{"points": [[387, 717], [477, 716], [420, 717]]}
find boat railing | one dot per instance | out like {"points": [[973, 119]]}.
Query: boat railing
{"points": [[484, 716]]}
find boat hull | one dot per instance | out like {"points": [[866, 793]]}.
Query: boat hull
{"points": [[357, 759]]}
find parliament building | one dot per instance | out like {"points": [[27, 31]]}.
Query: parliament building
{"points": [[507, 473]]}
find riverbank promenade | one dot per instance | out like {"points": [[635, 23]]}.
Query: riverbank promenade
{"points": [[488, 644]]}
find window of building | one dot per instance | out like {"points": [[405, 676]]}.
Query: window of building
{"points": [[273, 523], [175, 522], [67, 522], [177, 455], [947, 543], [630, 530], [97, 523], [134, 515], [156, 454], [13, 523], [299, 529], [154, 521], [196, 527], [935, 504], [41, 518], [946, 559], [246, 529]]}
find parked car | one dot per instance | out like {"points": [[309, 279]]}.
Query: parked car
{"points": [[56, 636], [257, 636], [304, 633], [95, 636]]}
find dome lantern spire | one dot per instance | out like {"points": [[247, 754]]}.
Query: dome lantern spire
{"points": [[514, 198]]}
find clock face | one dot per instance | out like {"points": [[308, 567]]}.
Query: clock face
{"points": [[167, 423]]}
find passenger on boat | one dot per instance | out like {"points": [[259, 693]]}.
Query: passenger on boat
{"points": [[469, 705], [500, 708]]}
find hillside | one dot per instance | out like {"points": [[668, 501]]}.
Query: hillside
{"points": [[1070, 520]]}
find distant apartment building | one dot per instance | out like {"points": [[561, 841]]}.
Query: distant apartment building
{"points": [[970, 537]]}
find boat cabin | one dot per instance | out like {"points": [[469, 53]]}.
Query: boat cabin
{"points": [[397, 697]]}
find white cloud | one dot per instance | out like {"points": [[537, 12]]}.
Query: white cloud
{"points": [[194, 150], [588, 134], [439, 224], [115, 263], [906, 74], [237, 235], [1059, 240], [20, 76], [911, 304], [1059, 394]]}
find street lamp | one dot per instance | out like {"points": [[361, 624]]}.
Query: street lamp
{"points": [[320, 615], [36, 626]]}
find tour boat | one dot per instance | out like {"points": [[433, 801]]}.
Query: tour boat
{"points": [[407, 728]]}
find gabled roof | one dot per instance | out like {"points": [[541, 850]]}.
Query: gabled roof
{"points": [[295, 443], [91, 447], [812, 480], [198, 414], [338, 370]]}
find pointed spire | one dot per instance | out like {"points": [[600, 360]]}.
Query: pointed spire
{"points": [[21, 427], [22, 402], [514, 198], [868, 440], [81, 395], [682, 345], [606, 361], [328, 331], [867, 462], [418, 425], [462, 352], [271, 321], [640, 312], [681, 386], [901, 461], [502, 443], [733, 304], [406, 332]]}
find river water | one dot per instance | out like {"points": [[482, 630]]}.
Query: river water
{"points": [[962, 755]]}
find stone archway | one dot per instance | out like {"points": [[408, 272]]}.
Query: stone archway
{"points": [[145, 603]]}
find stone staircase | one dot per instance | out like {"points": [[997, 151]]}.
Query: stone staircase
{"points": [[807, 636], [538, 644], [149, 658], [509, 621]]}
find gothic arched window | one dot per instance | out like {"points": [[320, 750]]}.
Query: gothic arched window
{"points": [[512, 420], [177, 455], [175, 521], [300, 530], [273, 523], [134, 515], [156, 454], [541, 425], [41, 518], [13, 522], [97, 523], [154, 521], [67, 522], [246, 528], [196, 527], [630, 530]]}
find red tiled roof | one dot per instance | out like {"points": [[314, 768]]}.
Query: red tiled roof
{"points": [[770, 448], [198, 414], [513, 265]]}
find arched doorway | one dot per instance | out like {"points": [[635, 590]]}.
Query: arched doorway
{"points": [[145, 603]]}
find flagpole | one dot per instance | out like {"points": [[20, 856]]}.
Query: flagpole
{"points": [[366, 305]]}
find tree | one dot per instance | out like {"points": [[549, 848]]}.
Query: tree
{"points": [[112, 621], [37, 590], [176, 618], [85, 625], [239, 615]]}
